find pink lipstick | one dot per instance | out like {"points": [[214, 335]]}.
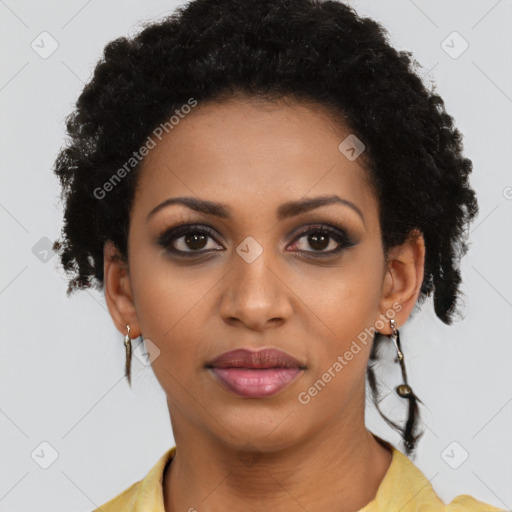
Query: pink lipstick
{"points": [[253, 374]]}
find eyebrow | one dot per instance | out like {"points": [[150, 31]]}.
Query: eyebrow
{"points": [[286, 210]]}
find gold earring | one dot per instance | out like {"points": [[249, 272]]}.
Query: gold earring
{"points": [[404, 390], [128, 346]]}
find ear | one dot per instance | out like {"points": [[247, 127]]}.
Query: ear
{"points": [[118, 293], [403, 279]]}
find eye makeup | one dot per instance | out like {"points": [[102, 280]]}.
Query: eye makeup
{"points": [[185, 240]]}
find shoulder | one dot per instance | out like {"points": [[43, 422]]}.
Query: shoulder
{"points": [[124, 501], [407, 489], [466, 503], [146, 494]]}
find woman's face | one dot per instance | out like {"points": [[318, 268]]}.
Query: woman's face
{"points": [[262, 275]]}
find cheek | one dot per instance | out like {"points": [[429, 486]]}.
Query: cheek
{"points": [[168, 315], [345, 298], [339, 355], [346, 303], [354, 303], [171, 309], [169, 320]]}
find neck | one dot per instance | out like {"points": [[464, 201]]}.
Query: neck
{"points": [[334, 469]]}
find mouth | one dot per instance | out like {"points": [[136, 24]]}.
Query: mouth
{"points": [[252, 374]]}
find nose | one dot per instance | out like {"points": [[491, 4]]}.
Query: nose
{"points": [[255, 294]]}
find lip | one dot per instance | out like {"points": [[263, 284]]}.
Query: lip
{"points": [[264, 358], [255, 374]]}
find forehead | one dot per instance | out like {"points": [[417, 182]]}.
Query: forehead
{"points": [[253, 154]]}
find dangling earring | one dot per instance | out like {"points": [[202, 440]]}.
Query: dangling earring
{"points": [[128, 346], [408, 432], [405, 391]]}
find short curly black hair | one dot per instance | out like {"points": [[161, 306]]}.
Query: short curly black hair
{"points": [[307, 50]]}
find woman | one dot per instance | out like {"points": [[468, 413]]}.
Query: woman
{"points": [[265, 191]]}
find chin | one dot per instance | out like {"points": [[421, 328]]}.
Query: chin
{"points": [[259, 430]]}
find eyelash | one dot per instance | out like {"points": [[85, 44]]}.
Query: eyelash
{"points": [[170, 235]]}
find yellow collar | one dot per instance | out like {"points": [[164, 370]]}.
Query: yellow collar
{"points": [[404, 489]]}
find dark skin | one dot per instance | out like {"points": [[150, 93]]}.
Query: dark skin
{"points": [[270, 453]]}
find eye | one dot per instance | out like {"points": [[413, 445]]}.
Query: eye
{"points": [[192, 240], [323, 237], [189, 239]]}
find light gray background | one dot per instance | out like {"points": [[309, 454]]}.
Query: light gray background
{"points": [[61, 360]]}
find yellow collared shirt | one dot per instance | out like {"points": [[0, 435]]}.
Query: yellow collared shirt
{"points": [[403, 489]]}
